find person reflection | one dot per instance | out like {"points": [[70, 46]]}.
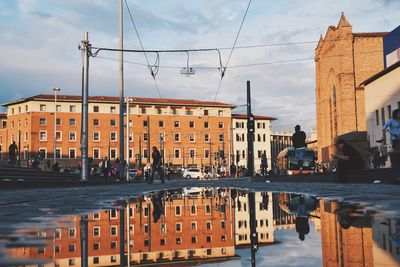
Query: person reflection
{"points": [[157, 200], [302, 226]]}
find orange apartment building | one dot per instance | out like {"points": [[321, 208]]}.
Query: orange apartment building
{"points": [[195, 226], [192, 130], [3, 136]]}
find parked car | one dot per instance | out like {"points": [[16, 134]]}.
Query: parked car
{"points": [[133, 173], [193, 173]]}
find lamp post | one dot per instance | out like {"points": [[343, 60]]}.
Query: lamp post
{"points": [[55, 89]]}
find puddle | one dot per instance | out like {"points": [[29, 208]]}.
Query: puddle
{"points": [[212, 227]]}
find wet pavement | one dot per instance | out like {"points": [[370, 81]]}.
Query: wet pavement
{"points": [[25, 209]]}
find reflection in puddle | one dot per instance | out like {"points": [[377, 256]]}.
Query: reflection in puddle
{"points": [[206, 226]]}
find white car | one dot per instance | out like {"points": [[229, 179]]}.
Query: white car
{"points": [[193, 173]]}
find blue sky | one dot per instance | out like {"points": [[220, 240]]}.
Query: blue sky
{"points": [[39, 40]]}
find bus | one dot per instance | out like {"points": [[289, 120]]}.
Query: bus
{"points": [[293, 161]]}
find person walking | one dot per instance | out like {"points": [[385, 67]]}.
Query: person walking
{"points": [[233, 170], [393, 125], [299, 138], [12, 153], [156, 156], [348, 159], [106, 167], [264, 165]]}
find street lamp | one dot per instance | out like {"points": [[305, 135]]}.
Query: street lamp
{"points": [[55, 89]]}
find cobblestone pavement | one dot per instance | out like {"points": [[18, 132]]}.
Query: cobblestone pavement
{"points": [[34, 207]]}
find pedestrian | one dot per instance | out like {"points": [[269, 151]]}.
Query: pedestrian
{"points": [[348, 159], [12, 153], [117, 167], [393, 125], [35, 163], [48, 163], [299, 138], [233, 170], [264, 165], [106, 167], [157, 165]]}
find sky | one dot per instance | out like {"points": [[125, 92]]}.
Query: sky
{"points": [[289, 252], [39, 49]]}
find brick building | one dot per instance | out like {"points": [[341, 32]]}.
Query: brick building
{"points": [[343, 61], [192, 130], [3, 137], [193, 226]]}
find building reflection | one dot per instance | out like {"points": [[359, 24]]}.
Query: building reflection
{"points": [[194, 225]]}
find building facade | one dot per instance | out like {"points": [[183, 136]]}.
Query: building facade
{"points": [[279, 141], [189, 131], [343, 61], [3, 137], [262, 135]]}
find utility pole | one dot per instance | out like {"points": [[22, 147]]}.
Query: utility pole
{"points": [[19, 148], [121, 86], [250, 135], [140, 153], [84, 241], [148, 139], [85, 110], [127, 140], [253, 228]]}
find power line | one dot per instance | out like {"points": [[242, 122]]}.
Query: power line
{"points": [[233, 47]]}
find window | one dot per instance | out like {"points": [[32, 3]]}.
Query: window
{"points": [[113, 258], [113, 214], [96, 260], [57, 249], [42, 135], [95, 108], [192, 153], [113, 123], [40, 250], [72, 136], [72, 122], [208, 225], [146, 242], [113, 230], [160, 123], [177, 153], [158, 110], [223, 237], [194, 226], [178, 240], [72, 108], [26, 122], [42, 108], [57, 234], [72, 153], [258, 125], [192, 137], [206, 137], [96, 153], [145, 153], [193, 210], [162, 242], [220, 113], [176, 124], [221, 137], [96, 246], [96, 231], [58, 121], [178, 227], [58, 108], [208, 209], [113, 136], [71, 247], [96, 136], [178, 210], [96, 216], [377, 117], [42, 121], [113, 245], [143, 110], [194, 240], [96, 122], [26, 108], [223, 224], [220, 125], [206, 112], [71, 262], [113, 109], [206, 124], [43, 153], [145, 137], [177, 137], [58, 135], [145, 123], [208, 239], [191, 124], [206, 153], [173, 111], [146, 228]]}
